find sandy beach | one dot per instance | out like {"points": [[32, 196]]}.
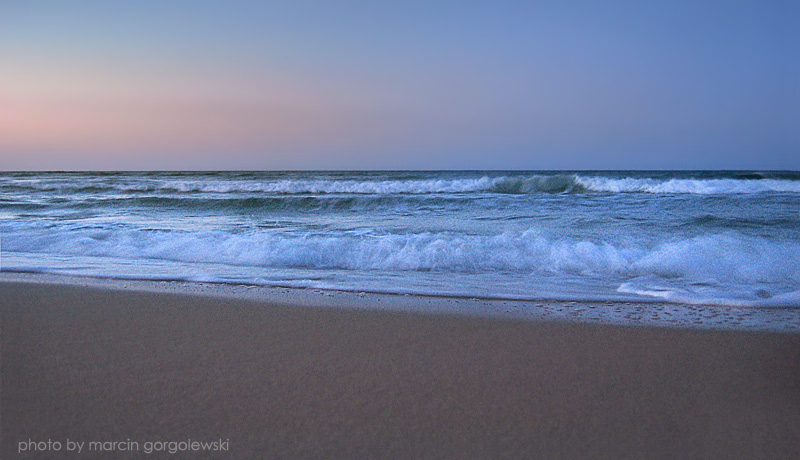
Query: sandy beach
{"points": [[269, 380]]}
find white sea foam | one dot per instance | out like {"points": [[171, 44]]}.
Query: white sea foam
{"points": [[716, 266], [687, 186], [503, 184], [513, 184], [729, 296]]}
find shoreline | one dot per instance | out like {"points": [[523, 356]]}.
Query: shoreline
{"points": [[620, 313], [281, 380]]}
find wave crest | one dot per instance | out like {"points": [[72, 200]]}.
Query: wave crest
{"points": [[727, 263], [687, 186], [509, 184]]}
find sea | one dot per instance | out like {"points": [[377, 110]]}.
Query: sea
{"points": [[707, 238]]}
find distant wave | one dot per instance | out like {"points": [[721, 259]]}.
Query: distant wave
{"points": [[511, 184], [249, 203], [688, 186]]}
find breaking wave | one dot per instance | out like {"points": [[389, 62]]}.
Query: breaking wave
{"points": [[752, 268], [509, 184]]}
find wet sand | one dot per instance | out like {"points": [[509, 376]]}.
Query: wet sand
{"points": [[280, 381]]}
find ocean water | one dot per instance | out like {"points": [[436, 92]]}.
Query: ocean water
{"points": [[690, 237]]}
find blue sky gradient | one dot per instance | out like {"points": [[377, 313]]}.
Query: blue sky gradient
{"points": [[412, 85]]}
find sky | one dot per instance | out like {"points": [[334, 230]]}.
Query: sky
{"points": [[179, 84]]}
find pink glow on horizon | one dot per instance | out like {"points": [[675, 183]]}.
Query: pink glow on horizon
{"points": [[102, 111]]}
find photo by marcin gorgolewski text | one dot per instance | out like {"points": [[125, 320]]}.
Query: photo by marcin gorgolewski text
{"points": [[147, 447]]}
